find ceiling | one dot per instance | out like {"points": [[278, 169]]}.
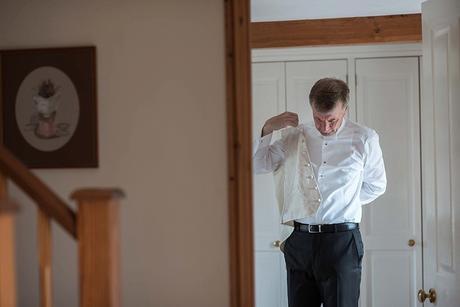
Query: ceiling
{"points": [[276, 10]]}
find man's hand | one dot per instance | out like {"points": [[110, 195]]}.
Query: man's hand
{"points": [[280, 121]]}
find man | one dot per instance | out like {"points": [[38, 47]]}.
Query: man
{"points": [[324, 253]]}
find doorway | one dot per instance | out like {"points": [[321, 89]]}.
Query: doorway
{"points": [[440, 171], [384, 96]]}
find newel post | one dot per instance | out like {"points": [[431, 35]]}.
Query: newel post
{"points": [[7, 248], [98, 232]]}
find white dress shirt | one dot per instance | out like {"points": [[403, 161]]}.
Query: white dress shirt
{"points": [[348, 166]]}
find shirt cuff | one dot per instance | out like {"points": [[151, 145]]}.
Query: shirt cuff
{"points": [[260, 143], [265, 140]]}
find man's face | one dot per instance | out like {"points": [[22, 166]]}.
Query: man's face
{"points": [[328, 123]]}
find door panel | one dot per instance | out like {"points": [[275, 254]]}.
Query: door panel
{"points": [[268, 99], [441, 149], [388, 101], [269, 286], [390, 272]]}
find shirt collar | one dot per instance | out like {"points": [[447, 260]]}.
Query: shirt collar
{"points": [[341, 125]]}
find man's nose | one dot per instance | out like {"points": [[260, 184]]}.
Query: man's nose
{"points": [[326, 127]]}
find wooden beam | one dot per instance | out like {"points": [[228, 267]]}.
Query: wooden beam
{"points": [[238, 69], [338, 31]]}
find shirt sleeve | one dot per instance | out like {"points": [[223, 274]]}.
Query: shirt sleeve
{"points": [[266, 158], [374, 177]]}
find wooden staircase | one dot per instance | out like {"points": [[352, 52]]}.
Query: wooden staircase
{"points": [[95, 227]]}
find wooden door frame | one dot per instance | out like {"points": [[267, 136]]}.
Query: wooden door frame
{"points": [[238, 76]]}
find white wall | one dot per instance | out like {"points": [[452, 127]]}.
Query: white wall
{"points": [[273, 10], [162, 138]]}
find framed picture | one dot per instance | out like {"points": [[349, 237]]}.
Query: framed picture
{"points": [[48, 106]]}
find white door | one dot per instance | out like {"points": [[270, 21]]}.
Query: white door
{"points": [[300, 77], [268, 99], [441, 150], [387, 93]]}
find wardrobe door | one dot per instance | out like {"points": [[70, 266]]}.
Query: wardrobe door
{"points": [[387, 100], [441, 150], [268, 99], [300, 77]]}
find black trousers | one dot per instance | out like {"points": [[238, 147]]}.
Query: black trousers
{"points": [[323, 268]]}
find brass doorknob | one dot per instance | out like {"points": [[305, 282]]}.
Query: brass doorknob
{"points": [[411, 242], [422, 295], [276, 243]]}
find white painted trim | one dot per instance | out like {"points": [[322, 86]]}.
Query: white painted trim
{"points": [[335, 52]]}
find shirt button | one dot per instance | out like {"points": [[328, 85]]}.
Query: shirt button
{"points": [[319, 199], [324, 162]]}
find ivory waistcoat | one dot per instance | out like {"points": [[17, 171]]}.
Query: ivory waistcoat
{"points": [[295, 183]]}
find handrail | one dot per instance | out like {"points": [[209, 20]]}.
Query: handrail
{"points": [[46, 199]]}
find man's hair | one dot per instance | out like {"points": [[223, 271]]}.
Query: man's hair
{"points": [[326, 92]]}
